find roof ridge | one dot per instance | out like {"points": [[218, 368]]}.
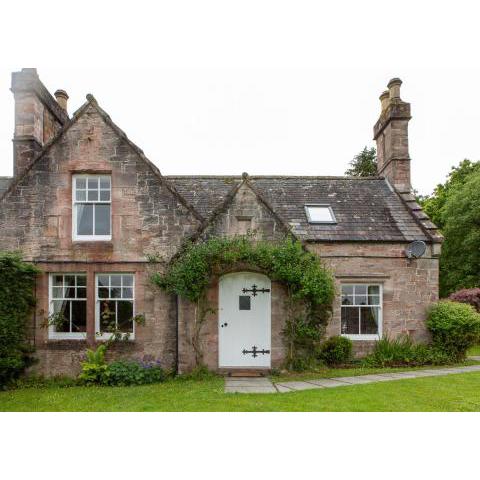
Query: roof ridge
{"points": [[313, 177]]}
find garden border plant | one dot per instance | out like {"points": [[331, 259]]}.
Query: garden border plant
{"points": [[309, 284]]}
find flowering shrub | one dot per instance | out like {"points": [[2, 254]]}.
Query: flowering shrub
{"points": [[127, 372], [96, 371], [467, 295]]}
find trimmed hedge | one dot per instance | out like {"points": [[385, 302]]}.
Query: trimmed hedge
{"points": [[336, 351], [455, 327], [17, 280]]}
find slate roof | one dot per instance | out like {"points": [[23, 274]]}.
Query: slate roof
{"points": [[366, 209]]}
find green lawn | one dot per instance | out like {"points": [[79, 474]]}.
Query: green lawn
{"points": [[458, 392], [474, 350]]}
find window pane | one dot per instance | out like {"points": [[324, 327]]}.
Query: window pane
{"points": [[347, 289], [244, 302], [103, 280], [105, 182], [81, 292], [81, 280], [57, 280], [350, 320], [102, 219], [360, 289], [81, 195], [79, 316], [70, 292], [373, 290], [127, 280], [92, 195], [103, 292], [105, 195], [125, 316], [347, 299], [84, 219], [360, 300], [115, 292], [92, 183], [57, 292], [69, 280], [62, 308], [127, 292], [81, 182], [373, 300], [115, 280], [107, 316], [369, 320], [320, 214]]}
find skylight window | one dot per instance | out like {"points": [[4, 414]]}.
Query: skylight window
{"points": [[319, 214]]}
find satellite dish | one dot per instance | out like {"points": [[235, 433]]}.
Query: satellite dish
{"points": [[415, 249]]}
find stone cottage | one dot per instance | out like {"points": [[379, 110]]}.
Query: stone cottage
{"points": [[88, 208]]}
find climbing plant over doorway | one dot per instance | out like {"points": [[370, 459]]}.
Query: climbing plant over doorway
{"points": [[310, 286]]}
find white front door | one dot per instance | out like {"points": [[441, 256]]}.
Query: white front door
{"points": [[244, 320]]}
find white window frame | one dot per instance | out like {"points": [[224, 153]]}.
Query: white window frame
{"points": [[52, 333], [107, 335], [361, 336], [322, 205], [89, 238]]}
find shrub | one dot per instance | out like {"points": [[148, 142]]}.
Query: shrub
{"points": [[467, 295], [198, 373], [127, 372], [402, 352], [94, 367], [336, 351], [17, 280], [455, 327]]}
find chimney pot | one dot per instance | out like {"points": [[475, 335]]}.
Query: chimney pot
{"points": [[61, 97], [394, 88], [385, 99]]}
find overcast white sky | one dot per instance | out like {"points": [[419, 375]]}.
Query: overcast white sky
{"points": [[263, 87]]}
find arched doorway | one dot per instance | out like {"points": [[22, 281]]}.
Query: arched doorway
{"points": [[244, 320]]}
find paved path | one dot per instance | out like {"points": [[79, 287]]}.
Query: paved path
{"points": [[265, 385]]}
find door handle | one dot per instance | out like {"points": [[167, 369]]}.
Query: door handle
{"points": [[224, 324]]}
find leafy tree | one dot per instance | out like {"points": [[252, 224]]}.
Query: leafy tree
{"points": [[364, 164], [434, 205], [460, 215]]}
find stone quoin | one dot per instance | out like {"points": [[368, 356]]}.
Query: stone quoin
{"points": [[89, 209]]}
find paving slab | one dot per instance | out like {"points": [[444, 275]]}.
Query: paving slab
{"points": [[355, 380], [401, 375], [298, 385], [380, 377], [327, 383], [257, 389], [283, 388], [248, 383], [474, 357]]}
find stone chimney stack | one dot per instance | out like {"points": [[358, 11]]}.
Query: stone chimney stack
{"points": [[62, 98], [38, 117], [391, 134]]}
